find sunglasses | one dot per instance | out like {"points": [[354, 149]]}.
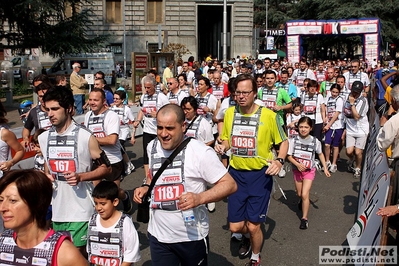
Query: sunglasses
{"points": [[169, 83], [116, 99]]}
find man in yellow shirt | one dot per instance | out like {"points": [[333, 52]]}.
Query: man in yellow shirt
{"points": [[251, 131]]}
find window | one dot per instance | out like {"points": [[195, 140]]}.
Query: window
{"points": [[154, 11], [113, 11], [153, 47], [116, 48]]}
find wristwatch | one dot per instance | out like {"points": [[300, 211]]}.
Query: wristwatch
{"points": [[280, 160]]}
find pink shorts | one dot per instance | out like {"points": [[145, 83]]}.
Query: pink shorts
{"points": [[309, 174]]}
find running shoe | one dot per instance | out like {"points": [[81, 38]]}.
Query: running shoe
{"points": [[304, 224], [130, 168], [357, 173], [350, 166], [318, 165], [245, 247], [333, 168], [211, 206], [127, 204], [253, 262], [282, 172], [328, 164], [236, 237]]}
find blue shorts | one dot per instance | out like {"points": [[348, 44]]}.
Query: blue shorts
{"points": [[251, 200], [333, 137], [190, 253]]}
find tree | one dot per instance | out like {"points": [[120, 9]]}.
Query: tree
{"points": [[44, 23], [177, 48]]}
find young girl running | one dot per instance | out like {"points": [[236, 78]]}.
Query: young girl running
{"points": [[334, 128], [301, 153]]}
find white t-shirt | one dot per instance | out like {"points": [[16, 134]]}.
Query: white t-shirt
{"points": [[178, 97], [212, 104], [223, 107], [339, 105], [358, 128], [201, 166], [111, 126], [72, 203], [319, 102], [359, 76], [131, 243], [190, 76], [305, 141], [298, 76], [204, 131], [124, 118], [150, 123]]}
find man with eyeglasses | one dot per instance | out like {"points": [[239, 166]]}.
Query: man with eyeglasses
{"points": [[250, 131], [175, 94], [356, 75], [78, 86], [37, 117]]}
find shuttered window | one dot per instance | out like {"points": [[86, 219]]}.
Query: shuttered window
{"points": [[154, 11], [113, 11]]}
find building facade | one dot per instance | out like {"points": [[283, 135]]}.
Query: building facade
{"points": [[196, 24]]}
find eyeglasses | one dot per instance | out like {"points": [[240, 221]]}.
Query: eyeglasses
{"points": [[244, 93]]}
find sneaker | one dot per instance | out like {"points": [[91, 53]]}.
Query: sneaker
{"points": [[328, 164], [253, 262], [130, 168], [245, 247], [357, 173], [211, 206], [304, 224], [350, 166], [333, 168], [317, 165], [236, 237], [127, 204], [282, 172], [300, 205]]}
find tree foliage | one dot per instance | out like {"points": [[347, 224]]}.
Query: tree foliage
{"points": [[279, 12], [177, 48], [44, 23]]}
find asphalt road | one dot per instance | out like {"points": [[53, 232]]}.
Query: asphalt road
{"points": [[331, 215]]}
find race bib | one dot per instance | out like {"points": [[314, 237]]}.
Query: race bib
{"points": [[45, 123], [310, 107], [60, 166], [243, 142], [304, 157], [104, 261], [168, 192]]}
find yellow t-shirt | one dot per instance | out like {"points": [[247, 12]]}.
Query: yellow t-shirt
{"points": [[387, 94], [269, 133]]}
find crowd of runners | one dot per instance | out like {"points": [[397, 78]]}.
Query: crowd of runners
{"points": [[248, 121]]}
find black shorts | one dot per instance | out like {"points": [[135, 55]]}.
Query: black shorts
{"points": [[117, 170], [146, 139]]}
